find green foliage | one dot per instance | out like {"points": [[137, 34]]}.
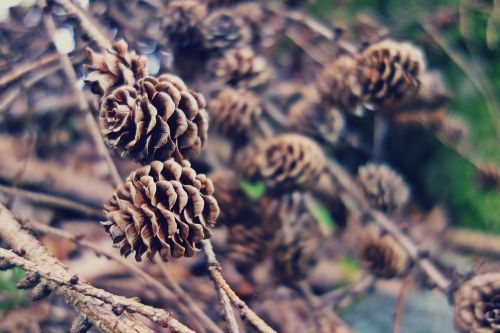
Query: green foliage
{"points": [[324, 218], [10, 296], [254, 190]]}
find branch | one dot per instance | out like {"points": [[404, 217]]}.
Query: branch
{"points": [[215, 271], [23, 69], [88, 24], [400, 303], [112, 255], [51, 200], [96, 312], [82, 104], [66, 279]]}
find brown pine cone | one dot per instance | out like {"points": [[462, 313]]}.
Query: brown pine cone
{"points": [[289, 161], [389, 74], [181, 21], [162, 207], [487, 176], [382, 255], [235, 205], [383, 187], [308, 117], [338, 84], [248, 245], [241, 68], [235, 113], [161, 119], [477, 305], [294, 250], [115, 67], [222, 29]]}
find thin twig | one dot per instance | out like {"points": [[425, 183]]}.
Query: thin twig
{"points": [[247, 313], [400, 304], [88, 24], [457, 58], [83, 106], [193, 306], [52, 200], [23, 69]]}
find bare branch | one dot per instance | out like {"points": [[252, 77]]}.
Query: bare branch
{"points": [[215, 271]]}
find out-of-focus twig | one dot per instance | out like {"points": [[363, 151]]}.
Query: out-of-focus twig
{"points": [[247, 313], [52, 200], [83, 106], [461, 62], [400, 304], [23, 69], [87, 23], [473, 242]]}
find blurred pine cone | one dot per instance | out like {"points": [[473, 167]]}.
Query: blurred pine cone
{"points": [[389, 74], [181, 21], [487, 176], [248, 245], [338, 84], [477, 305], [222, 29], [160, 119], [289, 161], [241, 68], [235, 113], [115, 67], [383, 256], [294, 250], [235, 205], [308, 117], [383, 187], [162, 207]]}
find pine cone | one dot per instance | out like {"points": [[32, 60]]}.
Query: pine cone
{"points": [[236, 206], [289, 161], [236, 113], [487, 176], [338, 84], [162, 207], [383, 187], [222, 29], [241, 68], [477, 305], [389, 74], [181, 22], [248, 245], [308, 117], [161, 118], [294, 251], [116, 67], [383, 256]]}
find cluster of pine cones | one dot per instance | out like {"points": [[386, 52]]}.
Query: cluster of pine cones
{"points": [[279, 135]]}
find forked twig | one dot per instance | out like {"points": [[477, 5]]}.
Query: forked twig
{"points": [[400, 303], [215, 271]]}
